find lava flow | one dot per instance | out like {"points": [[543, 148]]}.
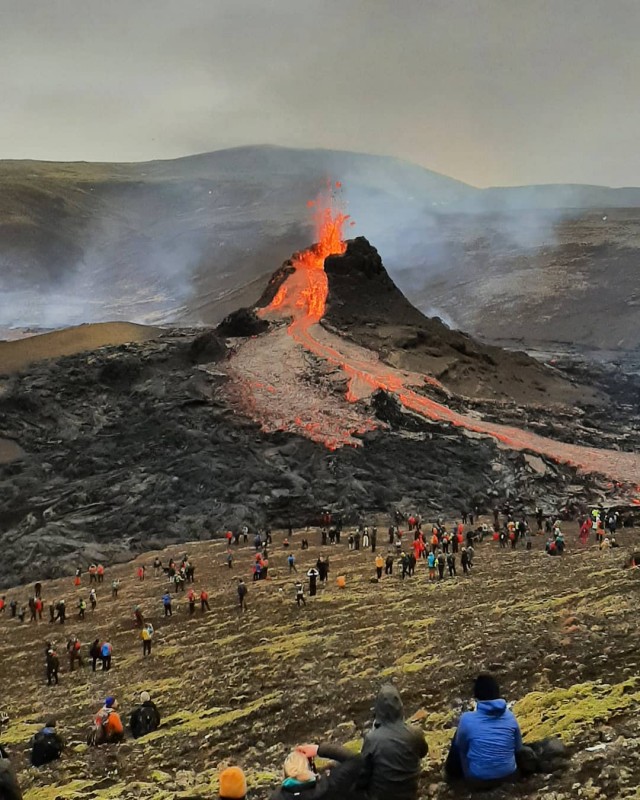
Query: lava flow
{"points": [[302, 299], [304, 295]]}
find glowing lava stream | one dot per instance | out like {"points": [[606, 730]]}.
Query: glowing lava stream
{"points": [[302, 299]]}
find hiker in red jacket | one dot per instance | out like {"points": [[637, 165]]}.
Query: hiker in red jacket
{"points": [[204, 601], [585, 529], [73, 649]]}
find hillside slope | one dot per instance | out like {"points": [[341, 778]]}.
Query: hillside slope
{"points": [[246, 688], [191, 239], [17, 355]]}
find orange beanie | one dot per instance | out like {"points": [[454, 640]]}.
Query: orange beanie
{"points": [[233, 784]]}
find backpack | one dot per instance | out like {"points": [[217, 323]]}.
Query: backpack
{"points": [[46, 747], [144, 720]]}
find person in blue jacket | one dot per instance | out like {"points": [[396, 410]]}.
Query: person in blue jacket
{"points": [[483, 751]]}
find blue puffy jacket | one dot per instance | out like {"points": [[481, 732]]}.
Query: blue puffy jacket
{"points": [[488, 740]]}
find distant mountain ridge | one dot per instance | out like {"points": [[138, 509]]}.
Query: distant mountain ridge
{"points": [[190, 239]]}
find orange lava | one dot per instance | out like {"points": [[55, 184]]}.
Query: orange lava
{"points": [[303, 298], [311, 279]]}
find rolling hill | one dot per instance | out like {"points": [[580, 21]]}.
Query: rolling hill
{"points": [[191, 239]]}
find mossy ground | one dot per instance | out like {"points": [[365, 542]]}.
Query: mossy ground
{"points": [[560, 634]]}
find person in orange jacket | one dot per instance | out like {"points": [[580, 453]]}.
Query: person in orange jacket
{"points": [[109, 728], [204, 601]]}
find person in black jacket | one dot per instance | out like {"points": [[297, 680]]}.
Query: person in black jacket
{"points": [[94, 653], [392, 751], [145, 718], [301, 782], [9, 789], [47, 745]]}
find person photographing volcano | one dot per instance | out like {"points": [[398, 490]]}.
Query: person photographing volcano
{"points": [[303, 782]]}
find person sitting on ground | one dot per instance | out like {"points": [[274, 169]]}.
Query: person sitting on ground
{"points": [[108, 725], [484, 748], [392, 751], [302, 781], [47, 745], [233, 784], [9, 788], [145, 717]]}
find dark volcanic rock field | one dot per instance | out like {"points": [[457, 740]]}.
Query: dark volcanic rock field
{"points": [[135, 446]]}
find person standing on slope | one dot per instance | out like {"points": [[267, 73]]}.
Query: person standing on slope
{"points": [[313, 574], [242, 594]]}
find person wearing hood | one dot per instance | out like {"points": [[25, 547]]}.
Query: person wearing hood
{"points": [[9, 789], [392, 751], [483, 751], [302, 782], [145, 718], [47, 745]]}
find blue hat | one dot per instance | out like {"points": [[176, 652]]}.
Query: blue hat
{"points": [[109, 701]]}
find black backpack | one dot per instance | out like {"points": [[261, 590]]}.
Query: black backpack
{"points": [[47, 747], [144, 720]]}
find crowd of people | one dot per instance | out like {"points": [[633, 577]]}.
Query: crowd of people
{"points": [[487, 746], [486, 751]]}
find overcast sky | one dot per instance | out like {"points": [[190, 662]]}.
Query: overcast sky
{"points": [[488, 91]]}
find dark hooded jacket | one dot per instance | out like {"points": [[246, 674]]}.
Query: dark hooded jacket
{"points": [[392, 751], [9, 789], [339, 784]]}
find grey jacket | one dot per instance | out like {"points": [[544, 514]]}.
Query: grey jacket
{"points": [[392, 751], [9, 789]]}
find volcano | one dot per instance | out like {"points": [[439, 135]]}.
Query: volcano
{"points": [[331, 393], [344, 312]]}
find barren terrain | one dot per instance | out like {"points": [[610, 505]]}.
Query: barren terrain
{"points": [[187, 241], [559, 633]]}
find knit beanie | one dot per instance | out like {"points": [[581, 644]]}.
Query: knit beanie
{"points": [[233, 784], [486, 688]]}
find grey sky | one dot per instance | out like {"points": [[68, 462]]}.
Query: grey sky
{"points": [[488, 91]]}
